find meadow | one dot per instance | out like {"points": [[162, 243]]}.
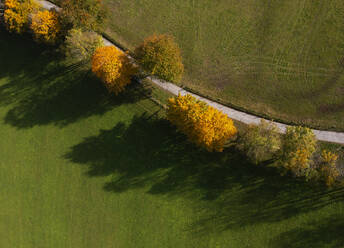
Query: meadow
{"points": [[82, 168], [277, 59]]}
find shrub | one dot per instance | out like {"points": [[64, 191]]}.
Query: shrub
{"points": [[202, 124], [80, 46], [16, 15], [113, 67], [328, 170], [45, 26], [84, 14], [160, 56], [299, 144], [260, 142]]}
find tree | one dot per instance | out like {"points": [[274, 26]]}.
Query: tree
{"points": [[261, 141], [113, 67], [299, 144], [202, 124], [16, 14], [80, 46], [328, 170], [160, 56], [45, 26], [83, 14]]}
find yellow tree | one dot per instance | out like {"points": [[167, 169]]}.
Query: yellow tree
{"points": [[328, 169], [113, 67], [16, 15], [299, 145], [45, 26], [202, 124]]}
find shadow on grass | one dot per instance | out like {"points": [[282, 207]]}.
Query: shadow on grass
{"points": [[40, 88], [228, 192], [326, 233]]}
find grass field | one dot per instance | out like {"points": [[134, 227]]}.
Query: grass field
{"points": [[79, 168], [281, 59]]}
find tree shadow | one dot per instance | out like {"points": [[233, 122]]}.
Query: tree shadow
{"points": [[227, 190], [326, 233], [40, 88], [266, 202], [132, 152]]}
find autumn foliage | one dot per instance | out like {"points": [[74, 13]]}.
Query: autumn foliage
{"points": [[328, 170], [299, 145], [45, 26], [203, 124], [113, 67], [160, 56], [16, 15]]}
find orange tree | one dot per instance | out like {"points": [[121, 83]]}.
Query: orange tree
{"points": [[113, 67], [45, 26], [160, 56], [16, 15], [202, 124]]}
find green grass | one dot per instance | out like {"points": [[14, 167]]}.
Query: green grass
{"points": [[80, 168], [282, 60]]}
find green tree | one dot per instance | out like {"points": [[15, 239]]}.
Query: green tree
{"points": [[159, 55], [260, 142], [80, 46], [83, 14]]}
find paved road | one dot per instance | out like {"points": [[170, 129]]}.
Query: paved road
{"points": [[329, 136]]}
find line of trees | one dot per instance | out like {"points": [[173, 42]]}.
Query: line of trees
{"points": [[73, 29], [295, 153]]}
